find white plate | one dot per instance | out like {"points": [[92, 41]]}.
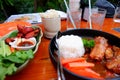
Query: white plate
{"points": [[62, 14], [31, 18]]}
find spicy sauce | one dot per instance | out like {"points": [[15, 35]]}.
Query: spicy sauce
{"points": [[25, 44]]}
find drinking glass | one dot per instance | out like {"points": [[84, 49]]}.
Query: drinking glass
{"points": [[116, 17], [97, 18], [76, 17], [74, 14]]}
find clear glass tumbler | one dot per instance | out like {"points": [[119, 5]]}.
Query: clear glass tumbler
{"points": [[116, 17], [76, 17], [97, 18], [74, 14]]}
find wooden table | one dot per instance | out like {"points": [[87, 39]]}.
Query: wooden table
{"points": [[41, 68]]}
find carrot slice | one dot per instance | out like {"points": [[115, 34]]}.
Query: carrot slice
{"points": [[10, 26], [69, 60], [91, 71], [81, 64], [12, 49], [76, 68], [87, 73]]}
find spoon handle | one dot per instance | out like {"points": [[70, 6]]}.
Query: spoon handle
{"points": [[59, 65]]}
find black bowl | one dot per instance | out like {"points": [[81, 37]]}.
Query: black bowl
{"points": [[113, 40]]}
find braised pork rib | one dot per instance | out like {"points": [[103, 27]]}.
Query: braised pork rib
{"points": [[99, 49]]}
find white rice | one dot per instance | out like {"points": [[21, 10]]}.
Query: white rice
{"points": [[71, 46], [50, 14]]}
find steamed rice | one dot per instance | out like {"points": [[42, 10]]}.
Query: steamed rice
{"points": [[71, 46], [50, 14]]}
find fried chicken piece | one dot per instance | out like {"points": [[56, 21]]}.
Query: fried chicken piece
{"points": [[109, 53], [24, 30], [99, 49], [114, 63], [116, 51], [27, 32], [32, 34]]}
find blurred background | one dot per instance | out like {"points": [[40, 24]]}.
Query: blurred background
{"points": [[10, 7]]}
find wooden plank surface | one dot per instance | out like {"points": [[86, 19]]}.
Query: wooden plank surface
{"points": [[41, 68]]}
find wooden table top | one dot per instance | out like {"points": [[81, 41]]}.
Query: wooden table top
{"points": [[41, 67]]}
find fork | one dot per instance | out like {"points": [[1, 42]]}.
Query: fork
{"points": [[60, 72]]}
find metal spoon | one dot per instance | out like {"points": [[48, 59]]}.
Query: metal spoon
{"points": [[60, 72]]}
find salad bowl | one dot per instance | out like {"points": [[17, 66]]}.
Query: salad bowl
{"points": [[18, 66]]}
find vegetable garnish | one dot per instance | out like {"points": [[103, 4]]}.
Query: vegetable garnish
{"points": [[80, 67], [9, 64], [69, 60], [81, 64], [4, 49], [88, 43], [13, 59], [87, 72]]}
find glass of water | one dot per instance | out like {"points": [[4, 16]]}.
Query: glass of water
{"points": [[116, 17], [97, 18]]}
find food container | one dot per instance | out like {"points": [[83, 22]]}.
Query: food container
{"points": [[113, 40]]}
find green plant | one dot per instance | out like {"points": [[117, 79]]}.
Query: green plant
{"points": [[28, 6], [56, 4], [9, 7], [7, 2], [92, 2], [3, 4], [24, 6], [86, 2], [51, 4]]}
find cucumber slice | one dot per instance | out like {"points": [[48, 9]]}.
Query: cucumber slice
{"points": [[4, 49]]}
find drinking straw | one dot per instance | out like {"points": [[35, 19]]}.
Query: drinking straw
{"points": [[90, 14], [69, 14]]}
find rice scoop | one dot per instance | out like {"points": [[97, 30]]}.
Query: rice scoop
{"points": [[71, 46]]}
